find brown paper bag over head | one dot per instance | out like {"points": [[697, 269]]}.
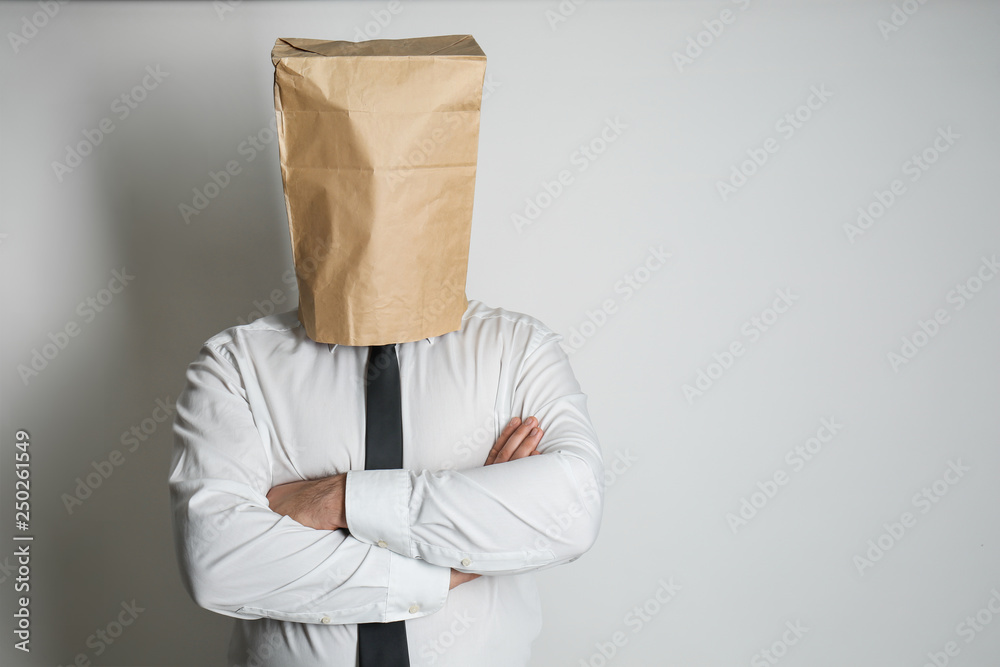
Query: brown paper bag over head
{"points": [[378, 143]]}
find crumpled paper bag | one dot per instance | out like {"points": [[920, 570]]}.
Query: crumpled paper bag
{"points": [[378, 142]]}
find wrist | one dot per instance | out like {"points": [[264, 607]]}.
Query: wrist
{"points": [[334, 511], [459, 578]]}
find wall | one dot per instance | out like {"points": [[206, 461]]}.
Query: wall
{"points": [[772, 256]]}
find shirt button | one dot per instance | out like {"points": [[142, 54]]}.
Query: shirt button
{"points": [[382, 544], [466, 562], [414, 608], [325, 619]]}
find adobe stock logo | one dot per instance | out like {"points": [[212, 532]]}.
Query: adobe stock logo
{"points": [[460, 624], [636, 619], [131, 440], [628, 286], [562, 13], [915, 167], [103, 638], [88, 310], [899, 17], [752, 329], [122, 106], [895, 531], [796, 457], [582, 158], [967, 629], [218, 181], [704, 39], [31, 25], [927, 330], [787, 126], [779, 647]]}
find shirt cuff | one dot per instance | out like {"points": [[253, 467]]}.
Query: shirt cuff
{"points": [[377, 508], [416, 588]]}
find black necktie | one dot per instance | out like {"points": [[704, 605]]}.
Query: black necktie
{"points": [[383, 644]]}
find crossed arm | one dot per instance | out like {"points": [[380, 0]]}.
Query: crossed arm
{"points": [[248, 550], [320, 503]]}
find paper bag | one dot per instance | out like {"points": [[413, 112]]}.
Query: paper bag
{"points": [[378, 143]]}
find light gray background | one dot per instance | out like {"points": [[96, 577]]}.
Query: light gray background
{"points": [[683, 465]]}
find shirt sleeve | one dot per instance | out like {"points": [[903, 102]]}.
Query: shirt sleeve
{"points": [[240, 559], [529, 514]]}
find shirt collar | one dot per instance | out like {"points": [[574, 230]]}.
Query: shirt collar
{"points": [[429, 341]]}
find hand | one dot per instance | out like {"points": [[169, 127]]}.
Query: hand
{"points": [[315, 503], [517, 441], [459, 578]]}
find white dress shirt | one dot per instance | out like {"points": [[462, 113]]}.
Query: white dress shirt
{"points": [[265, 405]]}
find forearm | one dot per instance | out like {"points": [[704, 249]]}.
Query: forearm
{"points": [[317, 503], [239, 558], [510, 517], [527, 514], [242, 560], [536, 512]]}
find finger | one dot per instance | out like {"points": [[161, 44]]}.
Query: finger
{"points": [[498, 446], [527, 445], [515, 439], [502, 440]]}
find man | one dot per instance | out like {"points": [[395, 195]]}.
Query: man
{"points": [[284, 522]]}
